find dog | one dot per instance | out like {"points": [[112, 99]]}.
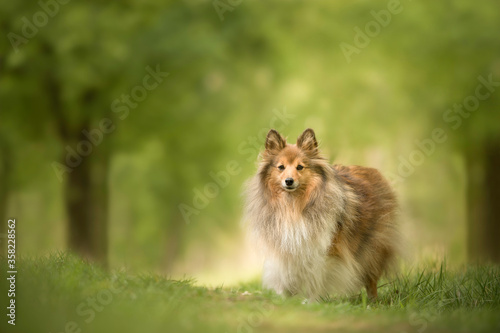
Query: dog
{"points": [[322, 228]]}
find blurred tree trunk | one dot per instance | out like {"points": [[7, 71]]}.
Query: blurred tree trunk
{"points": [[174, 238], [86, 187], [483, 200], [86, 201]]}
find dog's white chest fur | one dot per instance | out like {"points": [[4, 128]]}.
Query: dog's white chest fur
{"points": [[299, 262]]}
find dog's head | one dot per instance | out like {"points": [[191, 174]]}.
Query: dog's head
{"points": [[291, 167]]}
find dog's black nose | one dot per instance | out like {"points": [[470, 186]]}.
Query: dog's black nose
{"points": [[289, 181]]}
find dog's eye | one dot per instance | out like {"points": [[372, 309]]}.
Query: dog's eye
{"points": [[300, 167], [281, 167]]}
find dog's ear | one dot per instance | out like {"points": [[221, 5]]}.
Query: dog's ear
{"points": [[307, 141], [274, 141]]}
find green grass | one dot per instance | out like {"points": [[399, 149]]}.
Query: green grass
{"points": [[62, 293]]}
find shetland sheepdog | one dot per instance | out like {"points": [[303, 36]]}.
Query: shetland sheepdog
{"points": [[323, 228]]}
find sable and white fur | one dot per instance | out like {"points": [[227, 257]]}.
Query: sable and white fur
{"points": [[334, 233]]}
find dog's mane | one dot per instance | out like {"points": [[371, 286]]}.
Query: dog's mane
{"points": [[280, 222]]}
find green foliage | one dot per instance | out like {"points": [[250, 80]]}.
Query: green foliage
{"points": [[225, 78]]}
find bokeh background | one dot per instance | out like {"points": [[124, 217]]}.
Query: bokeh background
{"points": [[159, 188]]}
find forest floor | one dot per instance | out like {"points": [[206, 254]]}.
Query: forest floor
{"points": [[61, 293]]}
